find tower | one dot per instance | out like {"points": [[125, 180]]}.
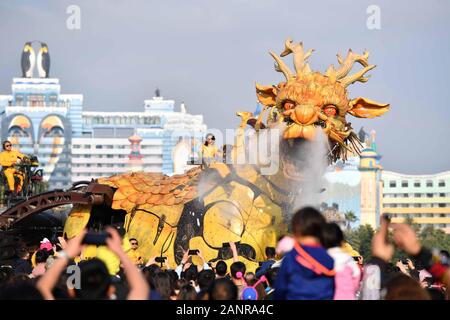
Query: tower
{"points": [[135, 156], [371, 187]]}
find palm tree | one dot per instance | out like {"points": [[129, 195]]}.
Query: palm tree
{"points": [[350, 218]]}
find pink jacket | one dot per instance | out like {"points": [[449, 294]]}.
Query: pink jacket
{"points": [[348, 275]]}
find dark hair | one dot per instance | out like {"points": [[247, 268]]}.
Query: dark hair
{"points": [[187, 292], [22, 252], [41, 256], [162, 284], [205, 279], [149, 273], [206, 138], [308, 222], [173, 276], [403, 287], [95, 280], [221, 268], [179, 283], [332, 235], [270, 252], [191, 273], [223, 289], [6, 273], [436, 293], [236, 267], [131, 239], [23, 290], [5, 142]]}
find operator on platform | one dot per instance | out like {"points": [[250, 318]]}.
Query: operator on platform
{"points": [[8, 158]]}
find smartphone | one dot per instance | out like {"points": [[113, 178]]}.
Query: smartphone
{"points": [[227, 244], [97, 238], [160, 259], [193, 252]]}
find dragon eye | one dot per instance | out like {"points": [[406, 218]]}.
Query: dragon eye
{"points": [[287, 105], [330, 110]]}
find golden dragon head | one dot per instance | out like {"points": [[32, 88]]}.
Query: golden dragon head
{"points": [[309, 101]]}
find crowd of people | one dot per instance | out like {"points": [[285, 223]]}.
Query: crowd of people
{"points": [[311, 262]]}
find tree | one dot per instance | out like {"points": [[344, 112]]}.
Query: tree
{"points": [[350, 218], [434, 238], [361, 240], [410, 221]]}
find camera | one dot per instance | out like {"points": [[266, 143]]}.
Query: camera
{"points": [[193, 252], [160, 259], [405, 261], [96, 238]]}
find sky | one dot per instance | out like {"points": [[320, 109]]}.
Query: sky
{"points": [[210, 53]]}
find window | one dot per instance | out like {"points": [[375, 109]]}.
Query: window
{"points": [[429, 195], [404, 184], [110, 156], [394, 205], [442, 205], [392, 184], [429, 183], [36, 100], [53, 100], [441, 183], [417, 205], [19, 100], [417, 195], [405, 195], [405, 205], [99, 146], [417, 184]]}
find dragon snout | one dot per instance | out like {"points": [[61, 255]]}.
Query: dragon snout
{"points": [[303, 119]]}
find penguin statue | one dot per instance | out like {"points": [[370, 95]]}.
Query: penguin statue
{"points": [[28, 60], [43, 61]]}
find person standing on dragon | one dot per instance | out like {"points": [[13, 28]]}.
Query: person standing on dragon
{"points": [[209, 150], [233, 202]]}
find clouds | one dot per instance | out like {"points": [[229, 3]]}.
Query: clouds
{"points": [[209, 54]]}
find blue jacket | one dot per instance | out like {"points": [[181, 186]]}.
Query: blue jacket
{"points": [[265, 266], [297, 282]]}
